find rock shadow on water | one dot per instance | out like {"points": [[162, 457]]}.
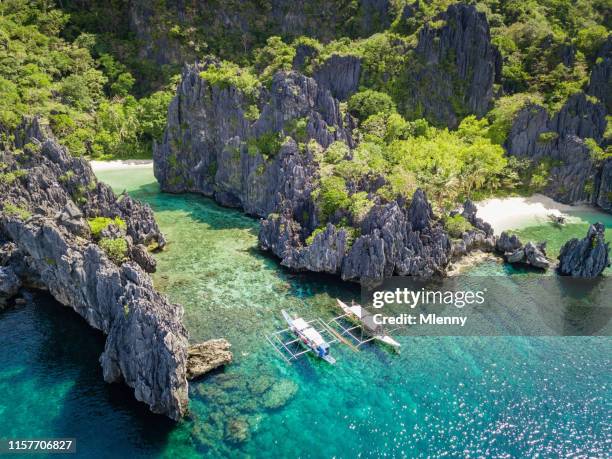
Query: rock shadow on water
{"points": [[68, 351]]}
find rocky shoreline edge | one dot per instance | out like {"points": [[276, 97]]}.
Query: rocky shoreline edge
{"points": [[63, 231]]}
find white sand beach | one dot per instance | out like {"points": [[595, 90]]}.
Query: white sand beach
{"points": [[121, 164], [517, 212]]}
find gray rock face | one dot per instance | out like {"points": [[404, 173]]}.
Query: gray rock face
{"points": [[339, 74], [394, 240], [531, 254], [48, 244], [469, 213], [508, 243], [205, 357], [209, 146], [600, 81], [603, 186], [462, 44], [9, 284], [560, 140], [586, 257]]}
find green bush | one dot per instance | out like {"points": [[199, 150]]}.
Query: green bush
{"points": [[367, 103], [99, 224], [267, 144], [227, 74], [336, 152], [547, 136], [310, 239], [332, 196], [275, 56], [116, 249], [456, 225], [16, 211]]}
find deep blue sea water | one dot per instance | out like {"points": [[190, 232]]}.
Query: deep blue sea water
{"points": [[442, 396]]}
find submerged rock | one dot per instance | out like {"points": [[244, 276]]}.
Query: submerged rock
{"points": [[586, 257], [206, 356], [279, 394], [238, 430]]}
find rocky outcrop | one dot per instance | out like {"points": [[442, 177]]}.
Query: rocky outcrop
{"points": [[559, 141], [48, 244], [603, 186], [514, 252], [455, 69], [9, 284], [210, 147], [508, 243], [600, 80], [394, 240], [586, 257], [205, 357], [339, 74]]}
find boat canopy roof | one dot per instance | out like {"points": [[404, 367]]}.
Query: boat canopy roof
{"points": [[314, 336], [300, 324]]}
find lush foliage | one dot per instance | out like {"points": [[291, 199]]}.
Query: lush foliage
{"points": [[115, 249], [85, 95], [368, 102], [227, 74], [99, 224], [16, 211], [456, 225]]}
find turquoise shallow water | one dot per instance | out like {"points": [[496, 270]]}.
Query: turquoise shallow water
{"points": [[512, 396]]}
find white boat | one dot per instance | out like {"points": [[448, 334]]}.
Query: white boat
{"points": [[361, 316], [309, 337]]}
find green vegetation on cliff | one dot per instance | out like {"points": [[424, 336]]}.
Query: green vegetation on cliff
{"points": [[84, 94], [102, 73]]}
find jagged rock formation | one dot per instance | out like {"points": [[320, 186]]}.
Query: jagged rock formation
{"points": [[9, 284], [455, 69], [48, 244], [586, 257], [603, 186], [394, 240], [339, 74], [206, 356], [600, 81], [514, 252], [560, 140], [211, 148], [481, 237]]}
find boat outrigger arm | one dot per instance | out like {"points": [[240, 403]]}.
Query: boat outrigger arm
{"points": [[365, 322], [305, 335]]}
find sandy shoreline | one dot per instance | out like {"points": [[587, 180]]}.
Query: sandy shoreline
{"points": [[502, 213], [517, 212], [121, 164]]}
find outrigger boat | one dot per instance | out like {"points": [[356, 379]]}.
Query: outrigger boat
{"points": [[356, 313], [309, 337], [556, 219]]}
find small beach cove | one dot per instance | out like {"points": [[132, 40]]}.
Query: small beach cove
{"points": [[473, 395]]}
